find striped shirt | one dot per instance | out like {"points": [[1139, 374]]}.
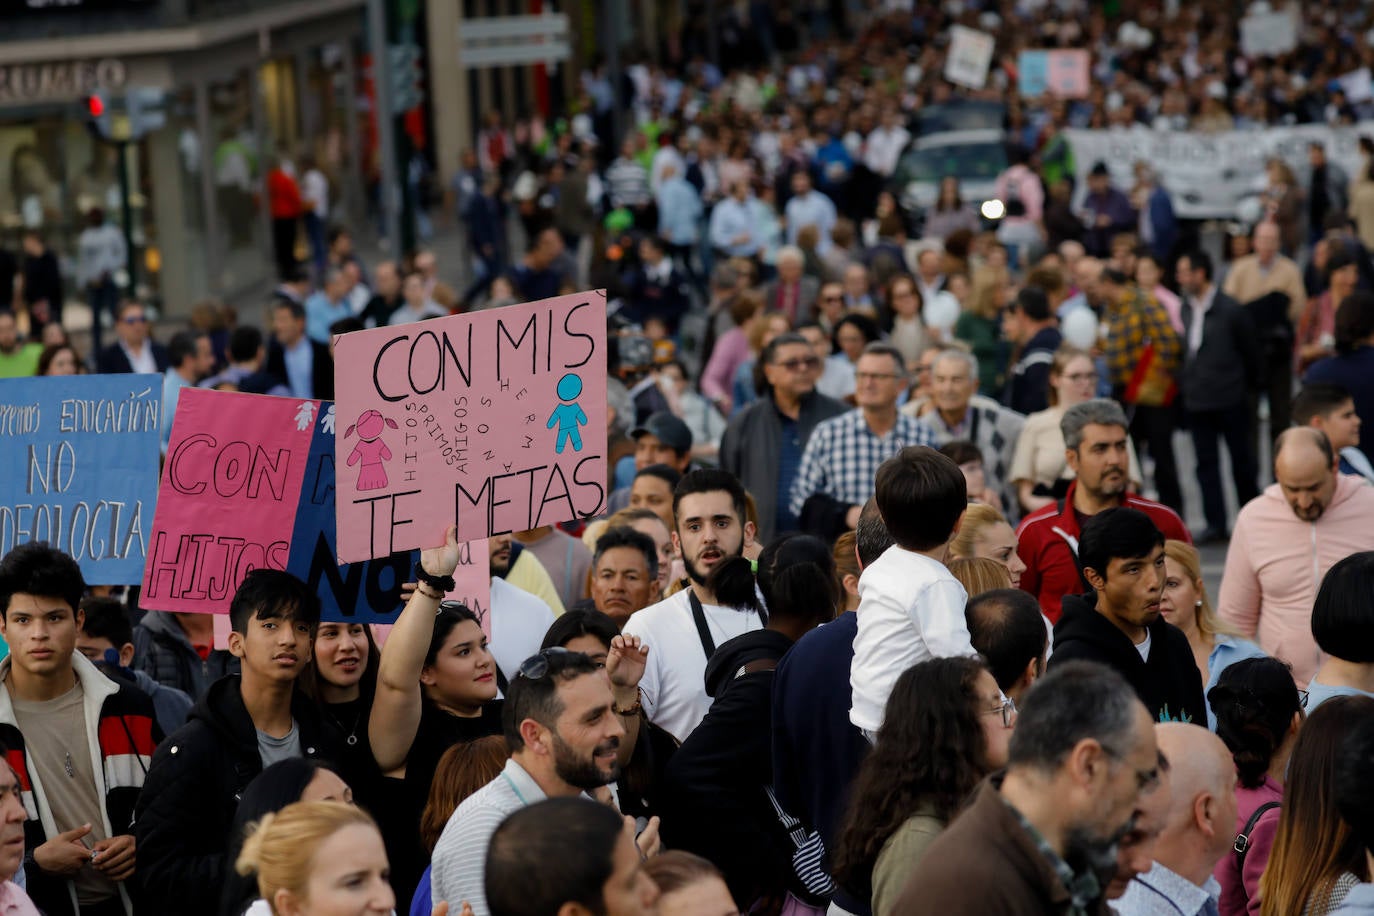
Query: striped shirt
{"points": [[460, 857]]}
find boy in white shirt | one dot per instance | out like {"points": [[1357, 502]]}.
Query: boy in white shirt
{"points": [[910, 608]]}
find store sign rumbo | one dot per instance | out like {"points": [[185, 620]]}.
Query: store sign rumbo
{"points": [[60, 80]]}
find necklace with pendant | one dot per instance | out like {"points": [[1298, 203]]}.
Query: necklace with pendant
{"points": [[67, 765], [352, 738]]}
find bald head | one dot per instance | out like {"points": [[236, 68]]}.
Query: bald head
{"points": [[1305, 469], [1201, 824]]}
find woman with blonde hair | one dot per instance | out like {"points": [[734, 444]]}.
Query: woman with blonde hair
{"points": [[317, 858], [1185, 604], [985, 534], [978, 574], [1038, 468]]}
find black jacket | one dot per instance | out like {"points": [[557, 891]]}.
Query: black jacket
{"points": [[194, 784], [1225, 369], [321, 369], [716, 804], [1169, 683], [112, 361], [751, 449]]}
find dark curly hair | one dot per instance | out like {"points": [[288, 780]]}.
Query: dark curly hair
{"points": [[1254, 701], [930, 751]]}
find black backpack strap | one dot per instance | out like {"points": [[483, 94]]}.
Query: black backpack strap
{"points": [[1242, 844], [708, 645]]}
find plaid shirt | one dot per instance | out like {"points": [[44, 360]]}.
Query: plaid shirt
{"points": [[1133, 321], [843, 454], [1084, 889]]}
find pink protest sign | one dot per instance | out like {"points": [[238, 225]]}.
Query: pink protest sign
{"points": [[228, 497], [472, 581], [494, 421], [1067, 74]]}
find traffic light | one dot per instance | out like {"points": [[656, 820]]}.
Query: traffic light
{"points": [[98, 116]]}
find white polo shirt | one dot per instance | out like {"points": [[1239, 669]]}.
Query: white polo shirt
{"points": [[673, 688]]}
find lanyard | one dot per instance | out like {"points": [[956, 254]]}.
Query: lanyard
{"points": [[708, 645]]}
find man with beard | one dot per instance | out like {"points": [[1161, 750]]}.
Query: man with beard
{"points": [[1095, 448], [563, 735], [1041, 837], [1284, 542], [1119, 624], [684, 629], [1135, 851]]}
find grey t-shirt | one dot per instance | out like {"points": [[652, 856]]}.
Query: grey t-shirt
{"points": [[272, 749]]}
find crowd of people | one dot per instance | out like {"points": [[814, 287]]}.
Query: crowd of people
{"points": [[892, 609]]}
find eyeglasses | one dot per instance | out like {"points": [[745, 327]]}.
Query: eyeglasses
{"points": [[874, 376], [803, 362], [537, 666], [1144, 779], [832, 298], [1008, 710], [1302, 698], [134, 319]]}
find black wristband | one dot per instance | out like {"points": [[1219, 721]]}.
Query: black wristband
{"points": [[444, 584]]}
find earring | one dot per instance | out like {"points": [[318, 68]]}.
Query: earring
{"points": [[1198, 603]]}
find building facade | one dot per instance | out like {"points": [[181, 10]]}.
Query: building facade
{"points": [[244, 81]]}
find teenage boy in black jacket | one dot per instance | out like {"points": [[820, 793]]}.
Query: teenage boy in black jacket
{"points": [[243, 724], [1121, 553]]}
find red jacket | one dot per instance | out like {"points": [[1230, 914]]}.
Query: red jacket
{"points": [[1049, 547], [283, 195]]}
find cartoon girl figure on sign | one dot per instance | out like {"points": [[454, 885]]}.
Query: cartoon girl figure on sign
{"points": [[370, 450]]}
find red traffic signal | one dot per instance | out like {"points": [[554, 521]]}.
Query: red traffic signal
{"points": [[95, 106]]}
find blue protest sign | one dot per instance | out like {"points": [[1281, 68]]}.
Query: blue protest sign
{"points": [[367, 592], [79, 468], [1033, 73]]}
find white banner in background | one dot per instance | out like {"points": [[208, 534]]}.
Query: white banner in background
{"points": [[969, 57], [1211, 175], [1269, 33]]}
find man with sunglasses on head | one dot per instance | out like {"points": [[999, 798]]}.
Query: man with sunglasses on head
{"points": [[563, 730], [763, 444], [135, 351]]}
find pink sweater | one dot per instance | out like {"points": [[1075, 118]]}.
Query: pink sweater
{"points": [[1276, 562], [1240, 890], [730, 351]]}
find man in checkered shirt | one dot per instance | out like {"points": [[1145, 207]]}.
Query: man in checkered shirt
{"points": [[843, 454]]}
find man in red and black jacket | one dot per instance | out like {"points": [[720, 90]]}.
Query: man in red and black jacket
{"points": [[80, 743], [1095, 434]]}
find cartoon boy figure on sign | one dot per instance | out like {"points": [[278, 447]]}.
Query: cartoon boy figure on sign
{"points": [[370, 450], [568, 416]]}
